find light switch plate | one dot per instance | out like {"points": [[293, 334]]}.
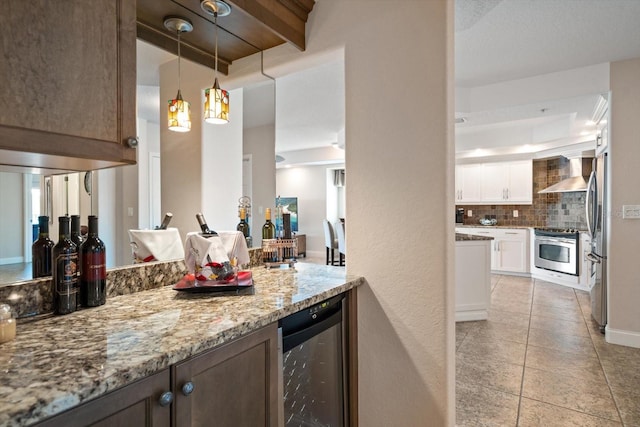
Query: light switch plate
{"points": [[469, 213], [515, 213], [631, 211]]}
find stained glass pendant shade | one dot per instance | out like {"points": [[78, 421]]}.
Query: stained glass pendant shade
{"points": [[216, 102], [179, 110]]}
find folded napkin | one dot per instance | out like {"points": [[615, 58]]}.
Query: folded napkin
{"points": [[156, 245], [209, 258]]}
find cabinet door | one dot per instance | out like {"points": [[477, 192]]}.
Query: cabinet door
{"points": [[233, 385], [137, 404], [495, 180], [468, 183], [69, 83], [511, 253], [520, 188]]}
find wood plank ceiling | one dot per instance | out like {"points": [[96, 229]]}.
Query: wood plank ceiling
{"points": [[252, 26]]}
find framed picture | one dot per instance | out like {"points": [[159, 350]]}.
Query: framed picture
{"points": [[290, 206]]}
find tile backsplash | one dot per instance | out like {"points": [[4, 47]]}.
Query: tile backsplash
{"points": [[561, 210]]}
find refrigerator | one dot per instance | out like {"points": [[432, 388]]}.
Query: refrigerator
{"points": [[596, 211]]}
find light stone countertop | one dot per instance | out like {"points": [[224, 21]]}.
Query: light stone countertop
{"points": [[493, 226], [57, 363]]}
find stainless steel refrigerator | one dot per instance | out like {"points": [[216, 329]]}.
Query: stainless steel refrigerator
{"points": [[596, 211]]}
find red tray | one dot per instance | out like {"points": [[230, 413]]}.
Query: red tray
{"points": [[189, 283]]}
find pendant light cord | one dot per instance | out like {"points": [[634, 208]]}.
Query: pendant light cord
{"points": [[215, 23], [178, 31]]}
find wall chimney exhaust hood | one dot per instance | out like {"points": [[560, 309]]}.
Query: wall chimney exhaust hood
{"points": [[579, 171]]}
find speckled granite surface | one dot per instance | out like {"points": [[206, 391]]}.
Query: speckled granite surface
{"points": [[33, 299], [491, 226], [59, 362], [460, 237]]}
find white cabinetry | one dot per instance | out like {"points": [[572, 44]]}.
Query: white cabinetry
{"points": [[473, 279], [468, 179], [495, 183], [509, 248]]}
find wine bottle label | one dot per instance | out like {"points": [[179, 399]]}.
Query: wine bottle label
{"points": [[93, 266], [67, 274]]}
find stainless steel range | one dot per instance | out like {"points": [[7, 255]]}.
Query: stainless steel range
{"points": [[557, 249]]}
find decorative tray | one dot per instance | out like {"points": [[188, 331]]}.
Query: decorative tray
{"points": [[188, 283]]}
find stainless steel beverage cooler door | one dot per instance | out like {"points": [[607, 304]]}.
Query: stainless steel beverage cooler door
{"points": [[313, 368]]}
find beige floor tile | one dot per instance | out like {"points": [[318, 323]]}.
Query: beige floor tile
{"points": [[501, 331], [512, 318], [514, 306], [569, 327], [497, 375], [628, 402], [564, 363], [565, 313], [559, 341], [561, 303], [493, 349], [579, 394], [482, 406], [539, 414]]}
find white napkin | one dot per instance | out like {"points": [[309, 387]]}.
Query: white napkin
{"points": [[156, 245], [200, 251], [236, 246]]}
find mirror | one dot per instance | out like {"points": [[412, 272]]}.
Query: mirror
{"points": [[139, 205]]}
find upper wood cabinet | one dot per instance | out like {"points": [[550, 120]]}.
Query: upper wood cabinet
{"points": [[68, 97]]}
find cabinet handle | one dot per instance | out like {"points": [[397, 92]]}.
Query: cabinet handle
{"points": [[166, 399], [510, 232], [187, 388], [132, 141], [507, 190]]}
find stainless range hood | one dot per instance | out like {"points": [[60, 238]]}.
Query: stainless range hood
{"points": [[579, 171]]}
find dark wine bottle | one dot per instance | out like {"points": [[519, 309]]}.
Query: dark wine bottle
{"points": [[93, 281], [268, 229], [65, 270], [41, 250], [206, 231], [165, 221], [76, 237], [243, 225]]}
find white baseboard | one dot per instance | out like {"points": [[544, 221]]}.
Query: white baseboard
{"points": [[14, 260], [621, 337], [468, 316]]}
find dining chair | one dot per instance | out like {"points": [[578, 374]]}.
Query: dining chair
{"points": [[329, 241], [342, 244]]}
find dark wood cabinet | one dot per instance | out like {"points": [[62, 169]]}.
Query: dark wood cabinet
{"points": [[137, 404], [233, 385], [67, 100]]}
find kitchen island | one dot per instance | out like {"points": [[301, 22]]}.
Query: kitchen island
{"points": [[473, 277], [60, 362]]}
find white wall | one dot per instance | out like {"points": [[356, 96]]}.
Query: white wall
{"points": [[222, 168], [396, 156], [12, 216], [624, 238], [260, 143]]}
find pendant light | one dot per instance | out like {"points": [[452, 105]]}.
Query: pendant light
{"points": [[179, 112], [216, 102]]}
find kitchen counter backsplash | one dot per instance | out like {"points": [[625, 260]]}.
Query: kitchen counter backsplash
{"points": [[33, 299], [557, 210]]}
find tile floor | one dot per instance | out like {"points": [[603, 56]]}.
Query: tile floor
{"points": [[539, 360]]}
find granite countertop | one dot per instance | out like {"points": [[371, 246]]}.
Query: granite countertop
{"points": [[59, 362], [461, 237]]}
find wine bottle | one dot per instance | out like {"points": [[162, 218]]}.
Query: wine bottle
{"points": [[165, 221], [93, 281], [268, 229], [75, 230], [206, 231], [65, 266], [41, 250], [243, 226]]}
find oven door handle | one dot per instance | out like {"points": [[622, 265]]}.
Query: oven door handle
{"points": [[555, 240], [593, 258]]}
